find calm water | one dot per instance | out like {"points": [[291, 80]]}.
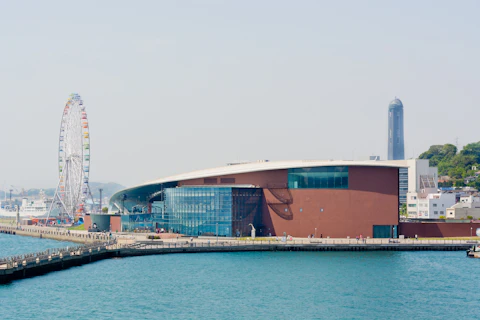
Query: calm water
{"points": [[257, 285]]}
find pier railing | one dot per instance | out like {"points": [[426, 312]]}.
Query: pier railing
{"points": [[159, 244], [54, 254], [97, 236]]}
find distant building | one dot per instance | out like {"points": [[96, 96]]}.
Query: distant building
{"points": [[422, 177], [417, 177], [374, 158], [468, 206], [396, 148], [423, 199], [402, 185], [429, 205]]}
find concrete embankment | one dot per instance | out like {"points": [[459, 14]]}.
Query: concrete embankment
{"points": [[30, 265], [100, 247], [51, 233]]}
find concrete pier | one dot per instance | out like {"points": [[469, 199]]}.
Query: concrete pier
{"points": [[100, 246], [30, 265], [59, 234]]}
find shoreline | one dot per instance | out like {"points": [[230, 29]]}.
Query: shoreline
{"points": [[100, 246]]}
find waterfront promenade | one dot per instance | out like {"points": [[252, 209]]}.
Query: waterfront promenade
{"points": [[101, 246], [59, 234]]}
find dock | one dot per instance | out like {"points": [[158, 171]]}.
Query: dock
{"points": [[34, 264]]}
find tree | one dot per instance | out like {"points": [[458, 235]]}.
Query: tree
{"points": [[105, 210], [458, 183], [438, 154], [473, 150], [403, 210]]}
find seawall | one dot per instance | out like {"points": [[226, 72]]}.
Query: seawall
{"points": [[30, 265]]}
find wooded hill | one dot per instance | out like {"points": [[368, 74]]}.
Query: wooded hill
{"points": [[459, 166]]}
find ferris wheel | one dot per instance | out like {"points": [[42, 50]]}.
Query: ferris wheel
{"points": [[73, 157]]}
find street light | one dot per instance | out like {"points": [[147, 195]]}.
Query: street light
{"points": [[124, 197]]}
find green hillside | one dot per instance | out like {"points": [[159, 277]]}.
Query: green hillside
{"points": [[459, 166]]}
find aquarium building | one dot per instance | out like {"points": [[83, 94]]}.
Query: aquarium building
{"points": [[297, 198]]}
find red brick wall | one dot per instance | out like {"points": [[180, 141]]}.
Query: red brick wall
{"points": [[437, 229], [87, 221], [261, 179], [371, 199], [115, 222]]}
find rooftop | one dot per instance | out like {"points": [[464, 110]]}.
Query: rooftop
{"points": [[273, 165]]}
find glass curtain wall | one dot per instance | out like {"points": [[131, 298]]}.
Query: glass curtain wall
{"points": [[137, 223], [199, 210], [318, 178]]}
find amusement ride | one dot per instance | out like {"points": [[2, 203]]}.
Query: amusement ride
{"points": [[73, 189]]}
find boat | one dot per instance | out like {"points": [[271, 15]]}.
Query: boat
{"points": [[474, 251], [29, 208]]}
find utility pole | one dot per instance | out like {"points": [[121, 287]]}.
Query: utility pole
{"points": [[11, 198], [101, 190]]}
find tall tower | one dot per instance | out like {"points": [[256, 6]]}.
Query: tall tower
{"points": [[396, 149]]}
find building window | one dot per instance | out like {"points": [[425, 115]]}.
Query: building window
{"points": [[210, 181], [412, 205], [301, 210], [318, 178], [227, 180], [441, 212], [443, 205], [321, 209], [434, 204], [435, 212]]}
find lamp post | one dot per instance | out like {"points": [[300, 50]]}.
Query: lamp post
{"points": [[101, 190], [315, 234], [124, 197]]}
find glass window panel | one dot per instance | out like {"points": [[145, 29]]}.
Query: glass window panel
{"points": [[318, 178]]}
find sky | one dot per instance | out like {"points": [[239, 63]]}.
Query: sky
{"points": [[176, 86]]}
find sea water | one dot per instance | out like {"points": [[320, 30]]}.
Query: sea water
{"points": [[249, 285]]}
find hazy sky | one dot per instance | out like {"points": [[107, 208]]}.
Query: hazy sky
{"points": [[177, 86]]}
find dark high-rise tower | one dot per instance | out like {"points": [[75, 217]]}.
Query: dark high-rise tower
{"points": [[396, 149]]}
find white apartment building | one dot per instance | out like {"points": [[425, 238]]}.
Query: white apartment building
{"points": [[418, 176], [423, 199], [429, 205], [468, 206], [421, 176]]}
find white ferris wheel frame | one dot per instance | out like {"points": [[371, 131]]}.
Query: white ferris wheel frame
{"points": [[73, 158]]}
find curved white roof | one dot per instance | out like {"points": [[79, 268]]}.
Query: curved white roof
{"points": [[272, 165]]}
